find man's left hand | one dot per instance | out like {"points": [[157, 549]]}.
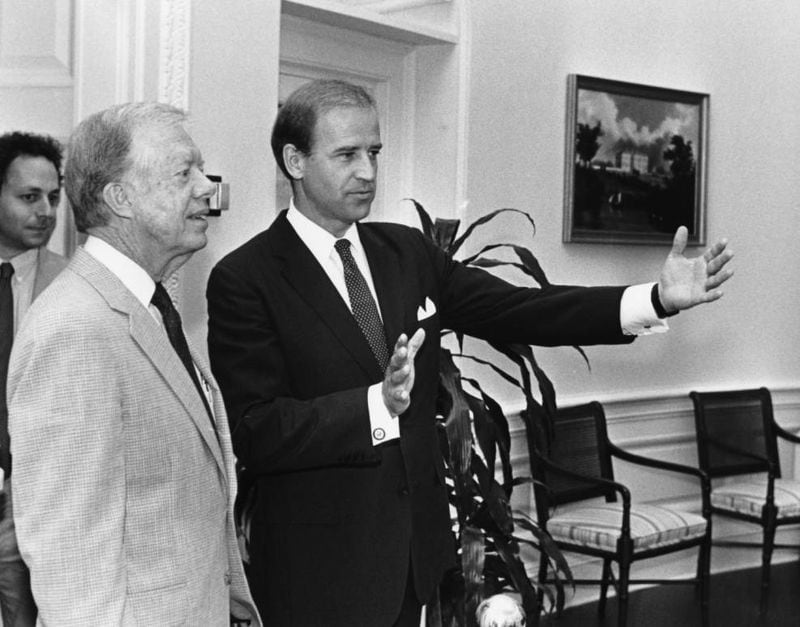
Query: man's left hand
{"points": [[686, 282]]}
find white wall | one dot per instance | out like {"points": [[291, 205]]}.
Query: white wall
{"points": [[233, 100], [745, 55]]}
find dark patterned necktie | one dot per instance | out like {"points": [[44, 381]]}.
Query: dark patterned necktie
{"points": [[6, 340], [172, 324], [363, 305]]}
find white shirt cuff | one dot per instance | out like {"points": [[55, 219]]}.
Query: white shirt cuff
{"points": [[383, 426], [636, 313]]}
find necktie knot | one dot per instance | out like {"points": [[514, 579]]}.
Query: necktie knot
{"points": [[342, 247], [6, 271], [161, 299]]}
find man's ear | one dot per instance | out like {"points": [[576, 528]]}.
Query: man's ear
{"points": [[116, 198], [294, 160]]}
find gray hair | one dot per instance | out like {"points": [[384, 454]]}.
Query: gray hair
{"points": [[99, 153]]}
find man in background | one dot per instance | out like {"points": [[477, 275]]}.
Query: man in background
{"points": [[123, 469], [324, 335], [30, 190]]}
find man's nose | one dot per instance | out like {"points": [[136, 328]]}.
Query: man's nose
{"points": [[46, 208], [367, 168], [205, 187]]}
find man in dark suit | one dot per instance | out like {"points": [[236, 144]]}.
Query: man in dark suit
{"points": [[30, 190], [350, 523]]}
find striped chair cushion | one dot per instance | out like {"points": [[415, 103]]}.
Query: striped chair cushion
{"points": [[748, 497], [598, 526]]}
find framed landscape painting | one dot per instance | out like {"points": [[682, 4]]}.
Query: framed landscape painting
{"points": [[635, 162]]}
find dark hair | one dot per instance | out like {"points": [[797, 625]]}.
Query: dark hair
{"points": [[297, 117], [99, 153], [13, 145]]}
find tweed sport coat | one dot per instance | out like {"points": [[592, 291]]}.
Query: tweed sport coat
{"points": [[123, 491], [48, 266]]}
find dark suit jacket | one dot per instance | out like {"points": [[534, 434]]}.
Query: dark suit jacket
{"points": [[336, 519]]}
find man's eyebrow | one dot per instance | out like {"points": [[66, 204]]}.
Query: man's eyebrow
{"points": [[187, 157], [36, 188], [353, 148]]}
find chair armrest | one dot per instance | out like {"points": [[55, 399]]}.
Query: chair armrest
{"points": [[656, 463], [705, 482], [786, 435], [607, 483]]}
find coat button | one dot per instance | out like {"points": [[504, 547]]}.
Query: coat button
{"points": [[403, 490], [228, 578]]}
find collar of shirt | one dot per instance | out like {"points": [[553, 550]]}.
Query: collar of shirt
{"points": [[24, 264], [132, 275], [318, 240], [321, 244]]}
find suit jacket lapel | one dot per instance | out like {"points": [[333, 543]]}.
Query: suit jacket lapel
{"points": [[153, 341], [308, 279]]}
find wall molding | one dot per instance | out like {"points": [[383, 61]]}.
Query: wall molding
{"points": [[50, 66], [174, 53]]}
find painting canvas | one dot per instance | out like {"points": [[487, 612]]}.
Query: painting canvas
{"points": [[635, 162]]}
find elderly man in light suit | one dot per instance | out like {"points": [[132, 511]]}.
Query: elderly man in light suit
{"points": [[124, 474]]}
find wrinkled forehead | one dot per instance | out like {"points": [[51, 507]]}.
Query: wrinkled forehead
{"points": [[162, 145]]}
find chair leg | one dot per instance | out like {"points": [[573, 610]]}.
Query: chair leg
{"points": [[622, 591], [704, 578], [605, 579], [770, 524]]}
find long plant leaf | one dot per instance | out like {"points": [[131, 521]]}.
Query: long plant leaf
{"points": [[485, 431], [530, 265], [545, 385], [483, 220], [424, 218], [502, 373], [494, 499], [459, 433], [508, 549], [444, 232], [501, 433], [472, 559]]}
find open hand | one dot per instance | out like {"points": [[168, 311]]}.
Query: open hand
{"points": [[399, 379], [686, 282]]}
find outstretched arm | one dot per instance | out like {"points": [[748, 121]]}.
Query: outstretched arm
{"points": [[686, 282]]}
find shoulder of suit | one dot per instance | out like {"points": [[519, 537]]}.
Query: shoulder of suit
{"points": [[48, 266], [258, 245]]}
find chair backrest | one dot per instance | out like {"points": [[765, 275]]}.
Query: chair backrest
{"points": [[579, 443], [732, 426]]}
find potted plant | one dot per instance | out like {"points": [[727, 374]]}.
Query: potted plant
{"points": [[489, 535]]}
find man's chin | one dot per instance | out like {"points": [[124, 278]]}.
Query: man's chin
{"points": [[37, 240], [361, 210]]}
